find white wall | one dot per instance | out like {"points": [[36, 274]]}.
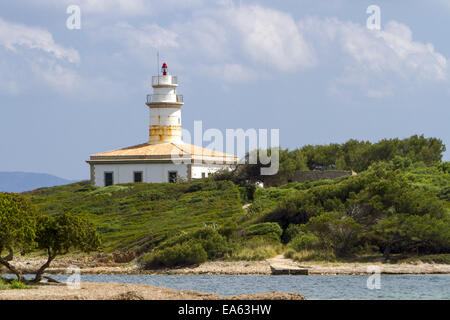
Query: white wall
{"points": [[198, 169], [152, 172], [165, 117]]}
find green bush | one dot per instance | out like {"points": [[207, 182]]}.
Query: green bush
{"points": [[310, 255], [16, 284], [270, 230], [256, 248], [214, 244], [335, 232], [432, 258], [228, 229], [291, 232], [304, 241], [3, 284], [444, 194], [153, 195], [184, 254]]}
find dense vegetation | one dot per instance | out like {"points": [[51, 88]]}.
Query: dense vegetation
{"points": [[351, 155], [397, 204], [383, 209]]}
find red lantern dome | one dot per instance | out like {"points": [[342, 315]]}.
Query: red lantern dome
{"points": [[164, 69]]}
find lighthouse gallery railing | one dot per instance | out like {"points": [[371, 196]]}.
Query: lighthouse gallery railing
{"points": [[157, 98], [161, 80]]}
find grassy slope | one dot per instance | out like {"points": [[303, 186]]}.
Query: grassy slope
{"points": [[137, 216]]}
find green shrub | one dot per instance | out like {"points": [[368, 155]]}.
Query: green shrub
{"points": [[208, 238], [335, 232], [310, 255], [256, 248], [228, 229], [16, 284], [444, 194], [256, 207], [152, 195], [3, 285], [304, 241], [86, 188], [432, 258], [184, 254], [270, 230], [291, 231]]}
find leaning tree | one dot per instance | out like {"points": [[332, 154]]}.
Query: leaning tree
{"points": [[59, 234], [18, 218]]}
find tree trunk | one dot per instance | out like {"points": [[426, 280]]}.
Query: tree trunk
{"points": [[41, 270], [11, 268]]}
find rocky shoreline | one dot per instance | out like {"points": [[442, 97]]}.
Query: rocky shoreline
{"points": [[89, 265], [126, 291]]}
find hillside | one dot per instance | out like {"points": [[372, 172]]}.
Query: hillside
{"points": [[24, 181], [397, 207], [139, 216]]}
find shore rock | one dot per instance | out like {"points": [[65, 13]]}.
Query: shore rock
{"points": [[121, 291]]}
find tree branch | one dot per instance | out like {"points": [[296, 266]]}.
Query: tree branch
{"points": [[11, 268], [41, 270]]}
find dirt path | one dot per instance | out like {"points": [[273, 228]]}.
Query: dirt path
{"points": [[282, 261]]}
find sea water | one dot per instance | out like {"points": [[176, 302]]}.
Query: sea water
{"points": [[392, 287]]}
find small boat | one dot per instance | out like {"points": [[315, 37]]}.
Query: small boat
{"points": [[278, 270]]}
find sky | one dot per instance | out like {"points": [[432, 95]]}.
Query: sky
{"points": [[311, 69]]}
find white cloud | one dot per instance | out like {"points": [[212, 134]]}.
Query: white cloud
{"points": [[377, 61], [230, 73], [148, 36], [13, 36], [271, 37], [124, 7], [31, 53], [58, 77], [230, 42]]}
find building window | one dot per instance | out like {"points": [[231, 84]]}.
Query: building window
{"points": [[137, 176], [109, 179], [173, 176], [203, 174]]}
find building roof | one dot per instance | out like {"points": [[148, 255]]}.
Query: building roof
{"points": [[164, 152]]}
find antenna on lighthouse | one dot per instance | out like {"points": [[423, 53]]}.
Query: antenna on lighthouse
{"points": [[157, 61]]}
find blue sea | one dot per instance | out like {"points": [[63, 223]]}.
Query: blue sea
{"points": [[392, 287]]}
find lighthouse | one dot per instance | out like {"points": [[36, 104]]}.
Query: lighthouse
{"points": [[165, 109], [153, 160]]}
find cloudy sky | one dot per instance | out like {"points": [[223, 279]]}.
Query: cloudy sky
{"points": [[309, 68]]}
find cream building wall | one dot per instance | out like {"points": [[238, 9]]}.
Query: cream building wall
{"points": [[152, 172]]}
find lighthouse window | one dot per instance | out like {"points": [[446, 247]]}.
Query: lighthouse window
{"points": [[109, 179], [137, 176], [172, 176]]}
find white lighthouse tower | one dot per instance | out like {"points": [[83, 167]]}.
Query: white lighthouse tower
{"points": [[153, 161], [165, 109]]}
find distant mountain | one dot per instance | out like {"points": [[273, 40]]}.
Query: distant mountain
{"points": [[26, 181]]}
